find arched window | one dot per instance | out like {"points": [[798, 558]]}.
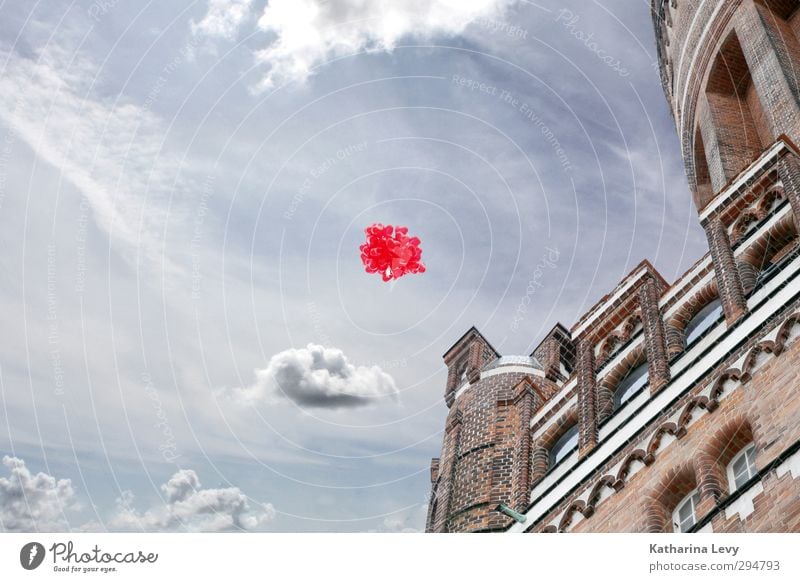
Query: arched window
{"points": [[634, 381], [742, 467], [703, 320], [685, 514], [567, 443]]}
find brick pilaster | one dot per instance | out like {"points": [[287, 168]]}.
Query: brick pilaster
{"points": [[556, 354], [654, 336], [789, 172], [587, 397], [447, 468], [551, 359], [474, 362], [429, 520], [526, 402], [452, 386], [726, 272]]}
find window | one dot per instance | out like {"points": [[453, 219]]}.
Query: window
{"points": [[461, 371], [564, 445], [630, 385], [742, 468], [685, 515], [703, 320]]}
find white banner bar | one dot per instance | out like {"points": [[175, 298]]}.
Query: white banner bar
{"points": [[371, 557]]}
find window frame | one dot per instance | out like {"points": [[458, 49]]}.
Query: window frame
{"points": [[692, 497], [563, 440], [751, 468], [687, 331], [618, 402]]}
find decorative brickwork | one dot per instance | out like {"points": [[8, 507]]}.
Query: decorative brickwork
{"points": [[444, 486], [474, 362], [556, 353], [654, 336], [727, 275], [789, 171], [452, 385], [587, 397]]}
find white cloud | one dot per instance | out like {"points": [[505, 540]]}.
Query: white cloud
{"points": [[110, 150], [223, 18], [31, 502], [190, 507], [312, 31], [318, 377]]}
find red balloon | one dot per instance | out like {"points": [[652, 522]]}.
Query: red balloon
{"points": [[391, 252]]}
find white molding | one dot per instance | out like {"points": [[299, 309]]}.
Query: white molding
{"points": [[601, 307], [790, 465], [740, 250], [687, 296], [725, 195], [554, 402], [743, 506], [530, 370], [684, 284]]}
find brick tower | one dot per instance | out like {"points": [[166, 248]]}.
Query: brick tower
{"points": [[664, 407]]}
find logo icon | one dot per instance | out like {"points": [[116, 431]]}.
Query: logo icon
{"points": [[31, 555]]}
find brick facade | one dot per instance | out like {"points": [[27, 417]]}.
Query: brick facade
{"points": [[652, 395]]}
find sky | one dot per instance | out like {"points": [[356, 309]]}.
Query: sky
{"points": [[191, 342]]}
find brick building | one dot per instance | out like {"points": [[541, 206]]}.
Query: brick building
{"points": [[666, 407]]}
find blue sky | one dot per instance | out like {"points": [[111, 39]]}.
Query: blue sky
{"points": [[183, 190]]}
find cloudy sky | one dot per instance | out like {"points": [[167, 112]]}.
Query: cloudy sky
{"points": [[190, 341]]}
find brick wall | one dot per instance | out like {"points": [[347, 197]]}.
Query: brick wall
{"points": [[763, 407]]}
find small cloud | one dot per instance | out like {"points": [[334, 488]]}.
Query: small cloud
{"points": [[317, 377], [31, 502], [223, 19], [190, 507]]}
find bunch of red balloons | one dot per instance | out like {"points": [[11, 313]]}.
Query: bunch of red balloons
{"points": [[391, 252]]}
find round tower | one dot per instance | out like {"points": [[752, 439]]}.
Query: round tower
{"points": [[731, 73], [485, 471]]}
